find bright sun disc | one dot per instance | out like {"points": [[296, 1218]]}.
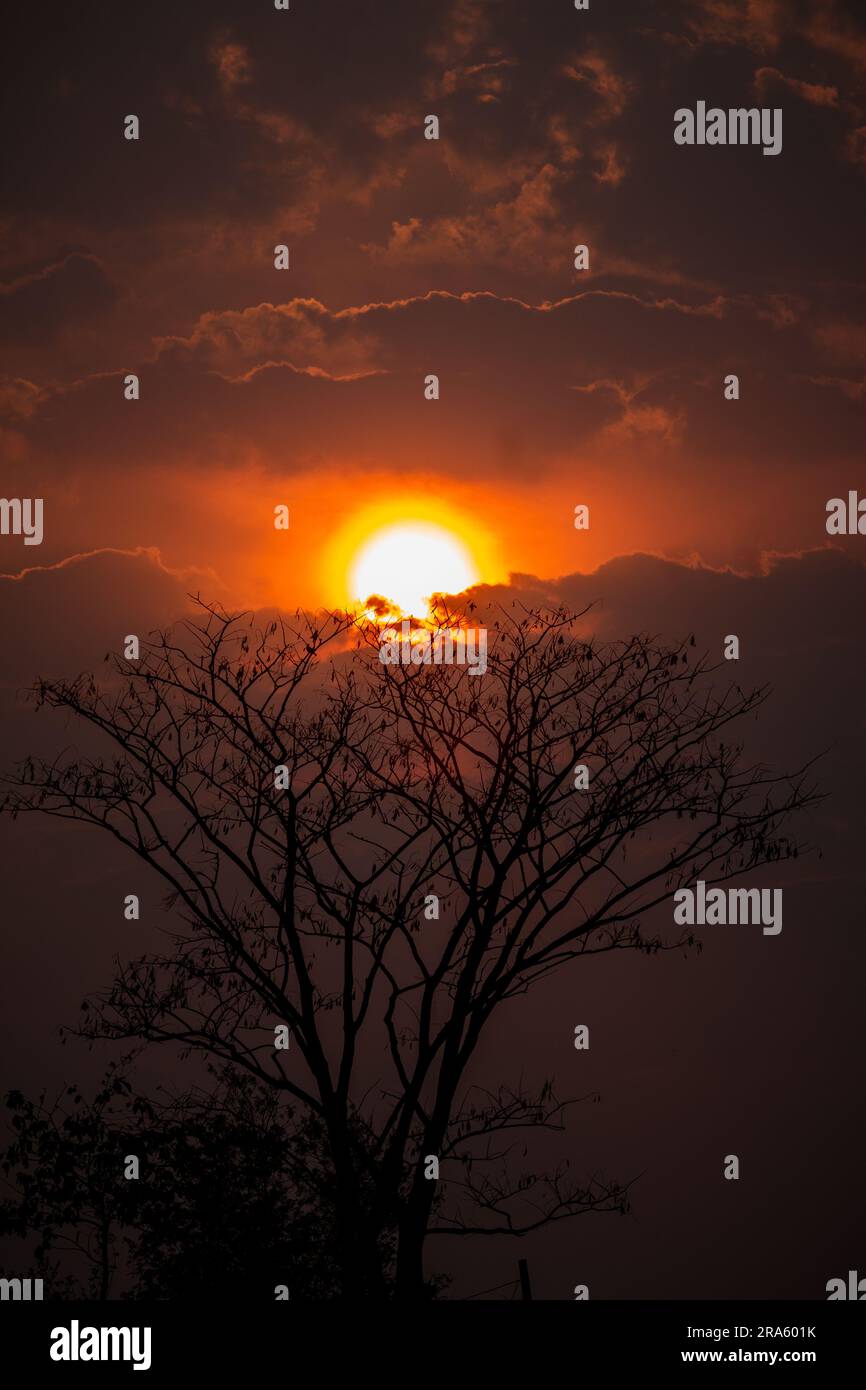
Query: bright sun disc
{"points": [[405, 564]]}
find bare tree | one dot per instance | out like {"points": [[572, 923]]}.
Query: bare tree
{"points": [[305, 804]]}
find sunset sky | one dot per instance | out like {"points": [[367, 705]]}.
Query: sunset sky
{"points": [[410, 256], [304, 388]]}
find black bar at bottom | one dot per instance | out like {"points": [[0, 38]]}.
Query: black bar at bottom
{"points": [[286, 1338]]}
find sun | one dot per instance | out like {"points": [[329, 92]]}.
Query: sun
{"points": [[406, 563]]}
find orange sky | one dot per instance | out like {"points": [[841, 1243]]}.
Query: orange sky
{"points": [[559, 386]]}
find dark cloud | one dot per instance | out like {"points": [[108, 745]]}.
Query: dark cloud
{"points": [[609, 373], [62, 619], [240, 149], [37, 305]]}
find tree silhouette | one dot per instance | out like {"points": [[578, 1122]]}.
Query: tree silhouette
{"points": [[233, 1197], [64, 1180], [304, 803]]}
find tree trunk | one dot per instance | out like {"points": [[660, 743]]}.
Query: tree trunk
{"points": [[361, 1272], [104, 1258], [410, 1286]]}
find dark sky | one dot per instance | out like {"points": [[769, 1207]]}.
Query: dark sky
{"points": [[558, 387]]}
